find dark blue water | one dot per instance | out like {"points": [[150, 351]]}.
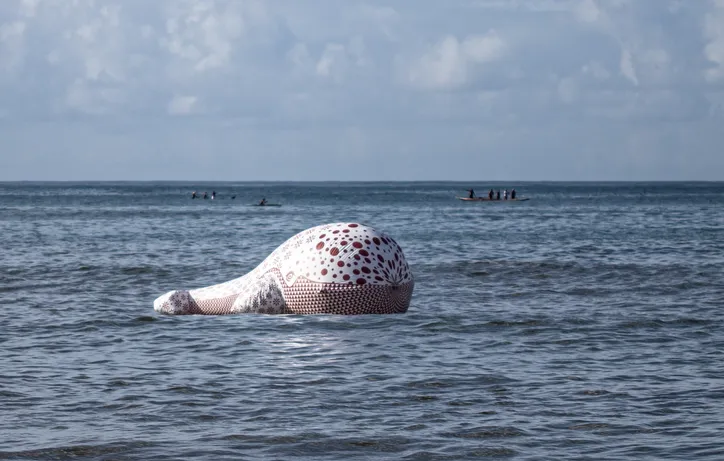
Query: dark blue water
{"points": [[585, 323]]}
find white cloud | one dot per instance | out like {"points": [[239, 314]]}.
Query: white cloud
{"points": [[182, 105], [28, 7], [202, 32], [332, 62], [596, 70], [449, 63], [12, 43], [714, 50], [588, 11], [627, 67]]}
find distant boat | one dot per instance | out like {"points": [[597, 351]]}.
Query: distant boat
{"points": [[486, 199], [266, 204]]}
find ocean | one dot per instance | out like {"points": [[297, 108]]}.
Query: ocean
{"points": [[583, 324]]}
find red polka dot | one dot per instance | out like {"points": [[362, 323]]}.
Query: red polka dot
{"points": [[334, 251], [376, 240], [367, 242], [357, 257], [366, 270], [384, 240], [320, 245], [345, 276], [324, 271], [380, 258], [322, 236], [355, 272], [340, 263], [343, 242], [357, 245], [368, 260], [361, 281], [346, 231], [377, 277], [336, 232], [352, 225], [364, 252]]}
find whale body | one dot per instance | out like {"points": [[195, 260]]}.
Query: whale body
{"points": [[338, 268]]}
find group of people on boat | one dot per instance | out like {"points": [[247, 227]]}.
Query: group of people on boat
{"points": [[494, 195], [206, 196]]}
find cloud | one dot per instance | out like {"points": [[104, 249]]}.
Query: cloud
{"points": [[714, 49], [627, 67], [181, 105], [414, 84], [451, 63], [12, 37]]}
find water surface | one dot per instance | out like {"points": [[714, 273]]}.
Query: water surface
{"points": [[585, 323]]}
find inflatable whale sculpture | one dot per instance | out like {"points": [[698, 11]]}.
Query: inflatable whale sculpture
{"points": [[339, 268]]}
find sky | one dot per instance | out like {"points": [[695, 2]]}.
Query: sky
{"points": [[245, 90]]}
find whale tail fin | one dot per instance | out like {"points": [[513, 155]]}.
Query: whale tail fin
{"points": [[263, 296]]}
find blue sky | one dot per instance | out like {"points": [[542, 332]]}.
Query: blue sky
{"points": [[361, 90]]}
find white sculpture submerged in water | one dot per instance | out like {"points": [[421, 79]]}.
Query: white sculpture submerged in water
{"points": [[339, 268]]}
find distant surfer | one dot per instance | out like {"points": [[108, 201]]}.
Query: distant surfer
{"points": [[263, 202], [505, 194], [512, 194], [491, 194], [471, 193], [233, 197], [205, 196], [497, 195], [193, 195], [213, 194]]}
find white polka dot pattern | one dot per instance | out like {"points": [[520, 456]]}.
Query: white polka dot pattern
{"points": [[340, 268]]}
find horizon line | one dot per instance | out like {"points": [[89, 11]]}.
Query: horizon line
{"points": [[286, 181]]}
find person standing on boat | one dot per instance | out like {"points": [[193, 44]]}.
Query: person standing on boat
{"points": [[471, 193], [512, 194], [497, 196], [505, 194], [491, 194]]}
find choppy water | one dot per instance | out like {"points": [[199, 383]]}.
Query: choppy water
{"points": [[585, 323]]}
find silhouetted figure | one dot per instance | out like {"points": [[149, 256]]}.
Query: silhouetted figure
{"points": [[193, 194], [471, 193], [213, 194], [263, 202], [497, 196], [491, 194], [205, 196], [512, 194]]}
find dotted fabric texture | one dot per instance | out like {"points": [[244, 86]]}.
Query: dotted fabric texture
{"points": [[339, 268]]}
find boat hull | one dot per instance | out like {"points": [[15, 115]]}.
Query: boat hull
{"points": [[486, 199]]}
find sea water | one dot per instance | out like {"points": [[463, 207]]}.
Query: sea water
{"points": [[584, 323]]}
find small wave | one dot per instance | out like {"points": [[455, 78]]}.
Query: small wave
{"points": [[137, 270], [73, 451], [488, 432], [663, 323]]}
